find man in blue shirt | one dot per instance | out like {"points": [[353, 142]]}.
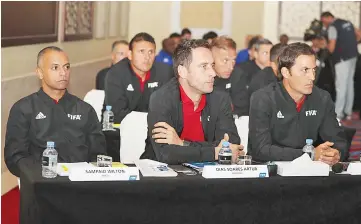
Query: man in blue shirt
{"points": [[165, 55]]}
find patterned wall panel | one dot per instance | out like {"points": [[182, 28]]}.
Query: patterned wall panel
{"points": [[295, 17], [78, 23], [345, 10]]}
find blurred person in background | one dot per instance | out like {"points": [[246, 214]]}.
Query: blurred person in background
{"points": [[120, 49]]}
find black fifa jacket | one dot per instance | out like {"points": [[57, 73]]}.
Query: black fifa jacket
{"points": [[72, 124], [217, 119]]}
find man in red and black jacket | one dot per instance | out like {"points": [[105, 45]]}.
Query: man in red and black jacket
{"points": [[187, 120], [130, 82]]}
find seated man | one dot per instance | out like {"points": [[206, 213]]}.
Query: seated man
{"points": [[284, 114], [165, 55], [120, 50], [267, 75], [187, 120], [247, 53], [261, 60], [209, 37], [52, 114], [186, 34], [230, 78], [130, 82]]}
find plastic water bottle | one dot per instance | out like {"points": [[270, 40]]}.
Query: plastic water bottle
{"points": [[108, 118], [309, 149], [225, 154], [49, 161]]}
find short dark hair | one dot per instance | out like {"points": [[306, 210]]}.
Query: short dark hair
{"points": [[210, 35], [141, 37], [289, 55], [224, 42], [115, 43], [174, 35], [44, 50], [276, 50], [260, 42], [253, 41], [186, 31], [183, 53], [326, 14]]}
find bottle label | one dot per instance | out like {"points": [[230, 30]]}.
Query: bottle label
{"points": [[111, 119], [45, 161]]}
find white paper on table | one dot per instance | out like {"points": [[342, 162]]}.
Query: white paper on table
{"points": [[149, 168], [354, 168], [242, 129], [303, 166], [133, 133], [63, 169]]}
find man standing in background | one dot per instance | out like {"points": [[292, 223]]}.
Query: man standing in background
{"points": [[342, 44]]}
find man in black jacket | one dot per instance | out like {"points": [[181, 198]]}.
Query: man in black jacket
{"points": [[230, 79], [130, 82], [120, 50], [261, 60], [267, 75], [284, 114], [52, 114], [187, 120]]}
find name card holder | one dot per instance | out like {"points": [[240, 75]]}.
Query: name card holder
{"points": [[235, 171], [104, 174]]}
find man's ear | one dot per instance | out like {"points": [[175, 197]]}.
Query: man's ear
{"points": [[182, 71], [39, 73], [129, 55], [285, 72]]}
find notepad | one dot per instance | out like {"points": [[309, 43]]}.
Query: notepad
{"points": [[151, 168]]}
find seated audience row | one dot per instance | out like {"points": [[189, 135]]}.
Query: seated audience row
{"points": [[190, 107]]}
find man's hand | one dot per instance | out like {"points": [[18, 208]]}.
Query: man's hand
{"points": [[236, 149], [164, 133], [326, 154]]}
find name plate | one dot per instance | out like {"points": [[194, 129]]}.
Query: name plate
{"points": [[104, 173], [306, 169], [354, 169], [235, 171]]}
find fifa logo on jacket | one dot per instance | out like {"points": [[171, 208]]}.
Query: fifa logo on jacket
{"points": [[74, 117], [311, 113]]}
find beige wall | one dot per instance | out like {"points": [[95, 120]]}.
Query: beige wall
{"points": [[247, 18], [150, 17]]}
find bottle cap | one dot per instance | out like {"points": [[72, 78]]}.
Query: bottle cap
{"points": [[108, 107], [50, 144], [225, 144], [309, 141]]}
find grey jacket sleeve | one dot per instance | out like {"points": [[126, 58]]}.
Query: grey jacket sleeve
{"points": [[16, 139], [262, 148], [239, 94], [330, 129], [95, 137], [174, 154], [225, 122], [115, 95]]}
